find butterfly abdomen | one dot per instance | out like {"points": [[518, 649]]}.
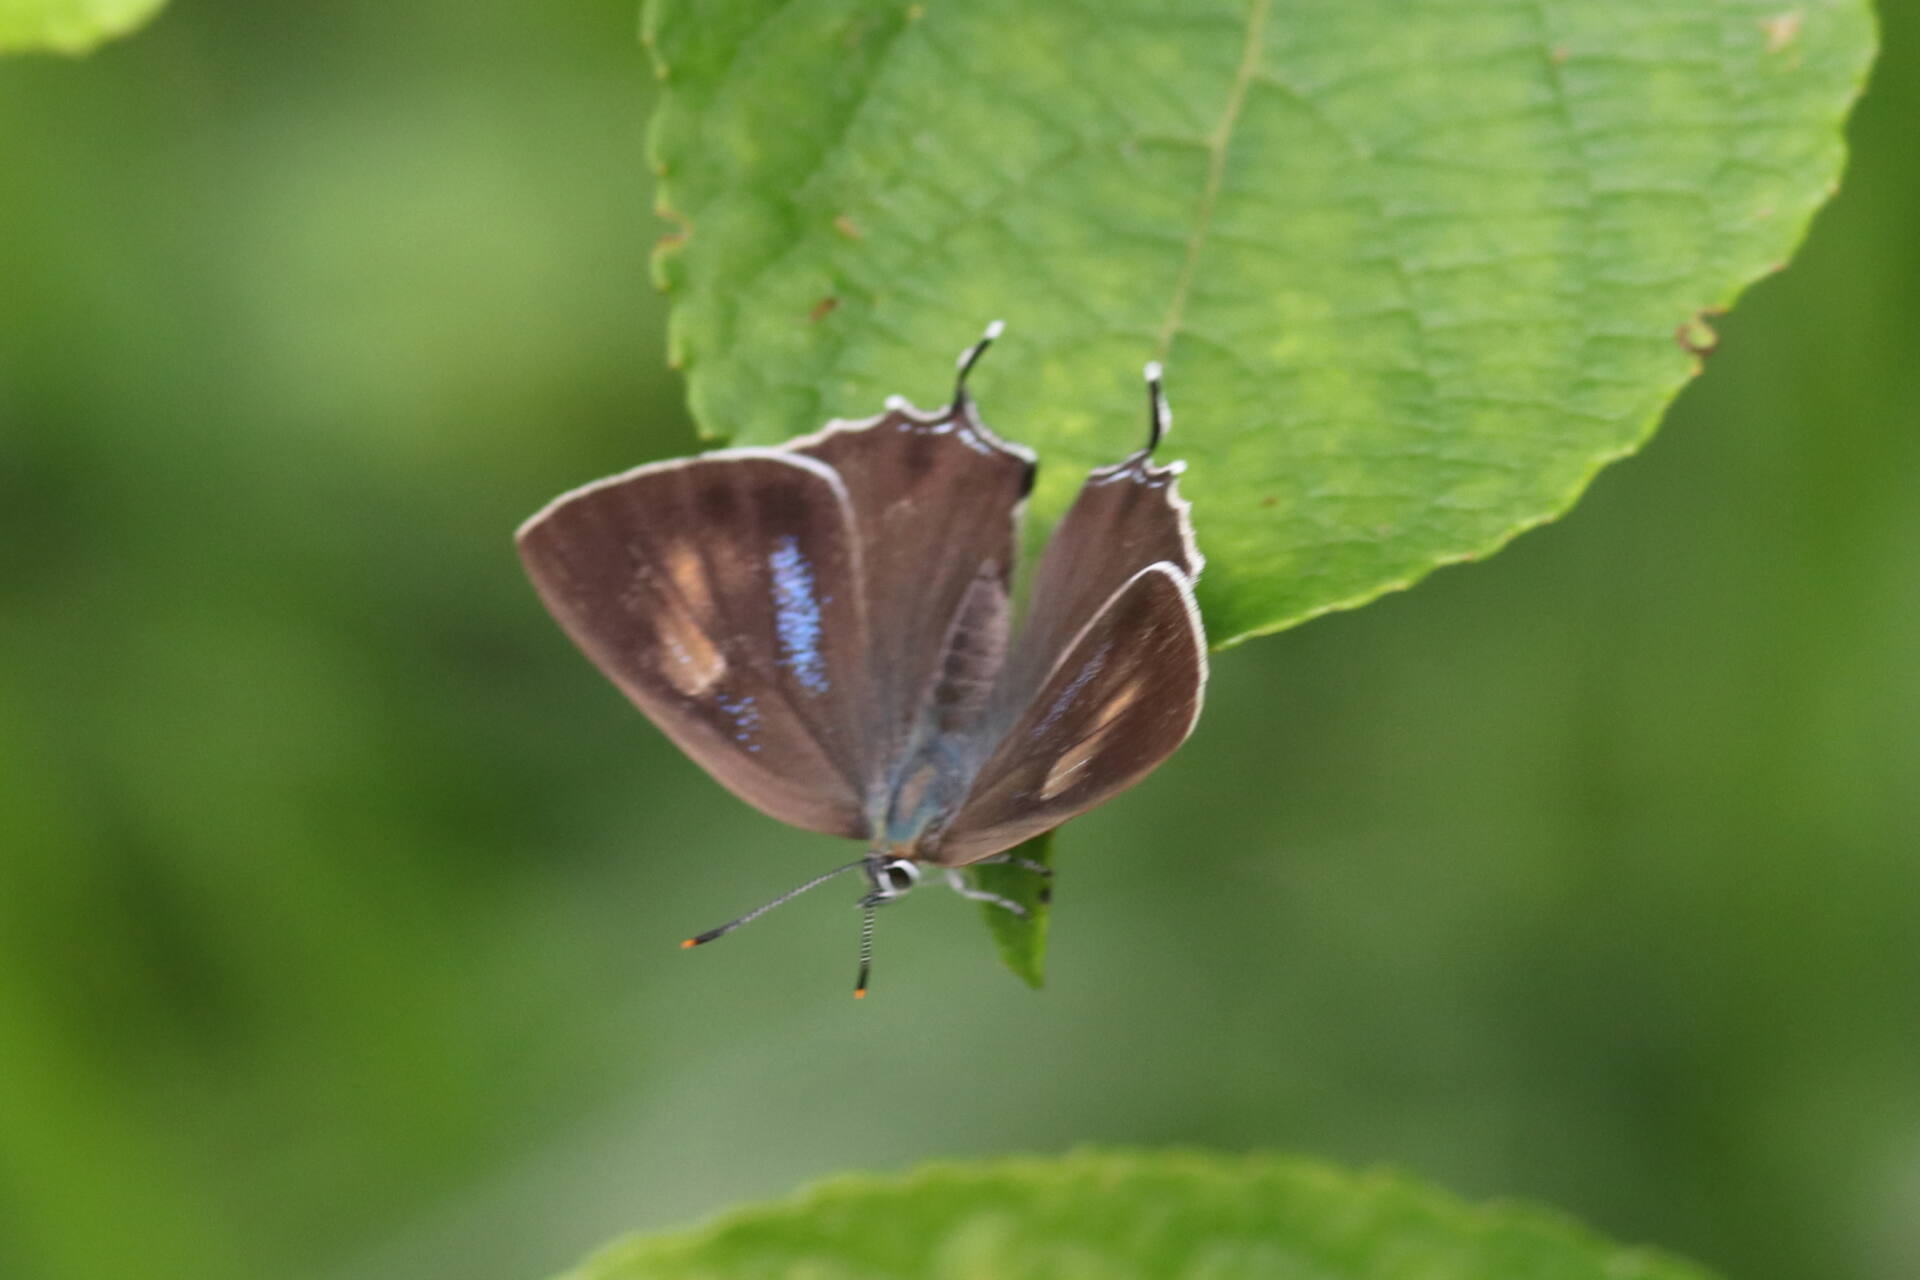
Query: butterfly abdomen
{"points": [[975, 650], [936, 771]]}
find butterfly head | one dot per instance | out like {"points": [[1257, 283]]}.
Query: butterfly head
{"points": [[890, 878]]}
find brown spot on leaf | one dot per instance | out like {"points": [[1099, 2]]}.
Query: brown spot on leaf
{"points": [[847, 227], [1782, 30], [1560, 54], [823, 308], [1696, 337], [1269, 500]]}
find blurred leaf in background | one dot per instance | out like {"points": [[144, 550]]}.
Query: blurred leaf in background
{"points": [[303, 309], [339, 898], [69, 26], [1123, 1215]]}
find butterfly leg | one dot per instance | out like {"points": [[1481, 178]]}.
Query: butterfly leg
{"points": [[961, 887], [1025, 864]]}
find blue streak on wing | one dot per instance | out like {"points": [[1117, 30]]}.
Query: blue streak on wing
{"points": [[797, 615], [746, 719], [1071, 693]]}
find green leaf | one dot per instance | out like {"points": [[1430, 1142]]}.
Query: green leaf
{"points": [[69, 26], [1417, 271], [1118, 1215], [1022, 939]]}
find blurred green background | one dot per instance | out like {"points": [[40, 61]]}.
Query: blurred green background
{"points": [[339, 896]]}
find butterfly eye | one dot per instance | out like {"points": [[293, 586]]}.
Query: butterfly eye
{"points": [[900, 876]]}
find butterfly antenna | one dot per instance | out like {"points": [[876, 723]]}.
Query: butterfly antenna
{"points": [[866, 955], [971, 357], [759, 911], [1159, 416]]}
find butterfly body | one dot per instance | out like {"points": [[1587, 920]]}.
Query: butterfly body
{"points": [[828, 628]]}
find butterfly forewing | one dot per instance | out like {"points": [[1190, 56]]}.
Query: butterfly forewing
{"points": [[1120, 698], [723, 595], [935, 501]]}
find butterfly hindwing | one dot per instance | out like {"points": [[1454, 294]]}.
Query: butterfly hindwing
{"points": [[1126, 516], [1122, 695], [723, 594]]}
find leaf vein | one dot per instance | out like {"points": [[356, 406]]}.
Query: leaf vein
{"points": [[1216, 172]]}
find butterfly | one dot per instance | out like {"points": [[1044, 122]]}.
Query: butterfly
{"points": [[827, 628]]}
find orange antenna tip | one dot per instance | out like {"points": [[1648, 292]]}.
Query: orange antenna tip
{"points": [[859, 993], [687, 944]]}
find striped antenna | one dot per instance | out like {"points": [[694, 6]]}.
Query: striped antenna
{"points": [[866, 954], [727, 928]]}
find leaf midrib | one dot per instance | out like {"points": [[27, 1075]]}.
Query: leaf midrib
{"points": [[1216, 142]]}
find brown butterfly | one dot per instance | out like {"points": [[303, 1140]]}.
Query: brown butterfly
{"points": [[827, 629]]}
